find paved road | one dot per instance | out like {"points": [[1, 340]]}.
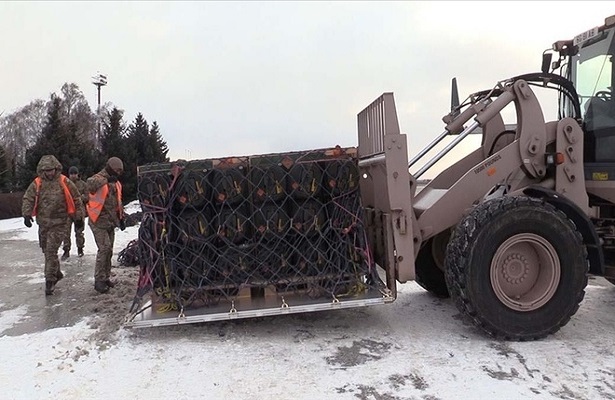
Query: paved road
{"points": [[418, 347]]}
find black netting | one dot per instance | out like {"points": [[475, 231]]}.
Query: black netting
{"points": [[129, 256], [213, 230]]}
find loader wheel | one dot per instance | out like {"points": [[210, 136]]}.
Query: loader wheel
{"points": [[429, 266], [517, 267]]}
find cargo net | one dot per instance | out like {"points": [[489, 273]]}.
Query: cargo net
{"points": [[216, 230]]}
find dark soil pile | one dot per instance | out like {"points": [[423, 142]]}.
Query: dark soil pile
{"points": [[10, 205]]}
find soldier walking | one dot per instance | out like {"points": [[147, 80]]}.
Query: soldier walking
{"points": [[105, 212], [73, 175], [52, 198]]}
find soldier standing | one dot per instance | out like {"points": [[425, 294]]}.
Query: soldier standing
{"points": [[106, 212], [73, 175], [51, 198]]}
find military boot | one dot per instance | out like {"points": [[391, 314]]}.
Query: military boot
{"points": [[101, 286], [49, 287], [80, 252], [65, 255]]}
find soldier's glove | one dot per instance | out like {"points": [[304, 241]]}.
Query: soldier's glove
{"points": [[112, 179], [79, 224], [27, 221], [122, 224]]}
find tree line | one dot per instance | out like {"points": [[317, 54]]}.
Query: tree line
{"points": [[66, 127]]}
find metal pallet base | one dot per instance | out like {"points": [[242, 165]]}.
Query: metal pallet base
{"points": [[240, 308]]}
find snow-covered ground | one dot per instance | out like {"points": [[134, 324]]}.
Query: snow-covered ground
{"points": [[72, 346]]}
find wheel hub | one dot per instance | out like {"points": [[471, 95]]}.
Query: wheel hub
{"points": [[525, 272], [515, 268]]}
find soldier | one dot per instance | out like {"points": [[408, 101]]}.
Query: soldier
{"points": [[106, 212], [73, 174], [51, 198]]}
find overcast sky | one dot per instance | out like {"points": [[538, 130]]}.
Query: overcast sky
{"points": [[240, 78]]}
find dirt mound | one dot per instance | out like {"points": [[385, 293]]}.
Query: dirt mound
{"points": [[10, 205], [109, 310]]}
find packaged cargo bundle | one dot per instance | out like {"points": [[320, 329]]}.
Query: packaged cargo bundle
{"points": [[342, 177], [304, 180], [242, 228], [270, 220], [268, 183], [153, 189]]}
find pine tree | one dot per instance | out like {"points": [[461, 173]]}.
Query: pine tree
{"points": [[62, 139], [138, 139], [80, 151], [158, 144], [145, 145], [113, 138], [138, 144], [45, 143]]}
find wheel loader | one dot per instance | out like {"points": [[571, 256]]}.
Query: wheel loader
{"points": [[510, 231]]}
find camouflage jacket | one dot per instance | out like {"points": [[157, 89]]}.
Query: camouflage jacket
{"points": [[108, 217], [51, 206], [81, 186]]}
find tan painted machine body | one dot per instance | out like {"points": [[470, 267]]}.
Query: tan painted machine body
{"points": [[479, 231], [509, 231]]}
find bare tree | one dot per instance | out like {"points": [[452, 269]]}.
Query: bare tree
{"points": [[76, 111], [19, 130]]}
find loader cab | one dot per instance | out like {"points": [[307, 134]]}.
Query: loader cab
{"points": [[592, 70]]}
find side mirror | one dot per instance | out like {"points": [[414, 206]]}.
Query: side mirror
{"points": [[546, 62]]}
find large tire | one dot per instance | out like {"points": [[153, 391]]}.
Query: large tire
{"points": [[429, 266], [517, 267]]}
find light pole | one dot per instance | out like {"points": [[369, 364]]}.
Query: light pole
{"points": [[99, 80]]}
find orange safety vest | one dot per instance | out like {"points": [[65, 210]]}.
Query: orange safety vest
{"points": [[97, 201], [70, 203]]}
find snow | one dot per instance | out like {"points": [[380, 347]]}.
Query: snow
{"points": [[418, 347]]}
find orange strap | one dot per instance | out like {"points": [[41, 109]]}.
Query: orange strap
{"points": [[118, 191], [70, 203]]}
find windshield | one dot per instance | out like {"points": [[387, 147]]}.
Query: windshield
{"points": [[593, 74]]}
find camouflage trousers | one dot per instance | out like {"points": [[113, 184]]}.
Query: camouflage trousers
{"points": [[79, 236], [104, 239], [50, 238]]}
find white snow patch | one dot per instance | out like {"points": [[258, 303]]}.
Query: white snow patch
{"points": [[10, 317]]}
